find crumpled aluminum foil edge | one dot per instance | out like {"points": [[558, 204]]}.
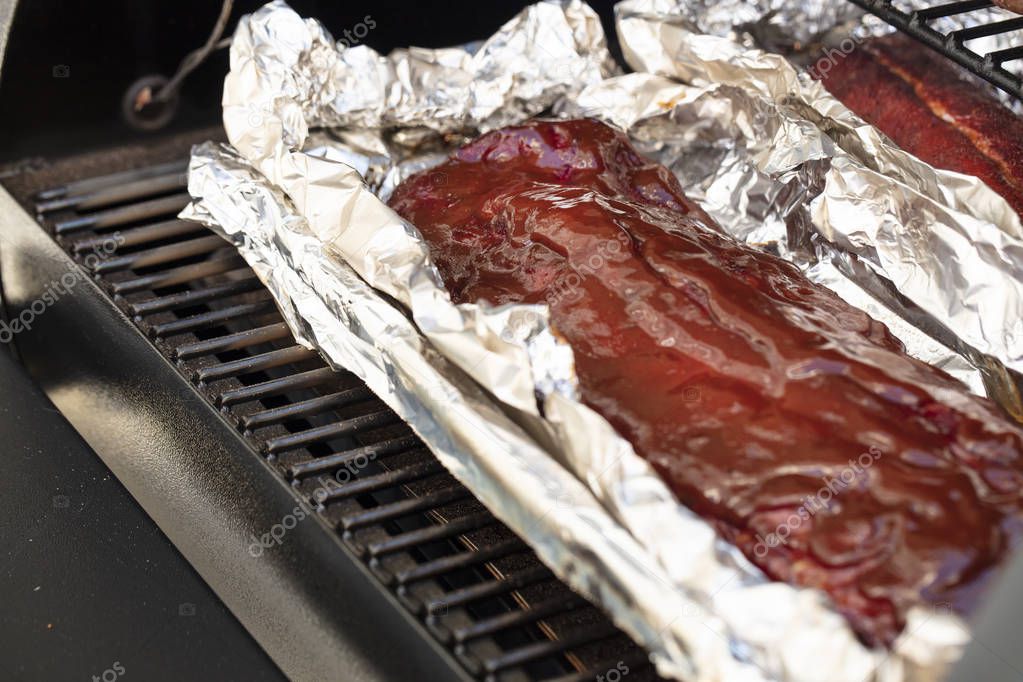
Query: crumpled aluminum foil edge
{"points": [[332, 195], [921, 228], [329, 307], [759, 191], [512, 352]]}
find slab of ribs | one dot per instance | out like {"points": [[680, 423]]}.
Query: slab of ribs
{"points": [[932, 109], [793, 422]]}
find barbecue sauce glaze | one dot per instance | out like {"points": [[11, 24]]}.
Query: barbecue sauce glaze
{"points": [[792, 421]]}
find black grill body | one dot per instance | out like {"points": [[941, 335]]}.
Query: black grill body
{"points": [[170, 359], [326, 526]]}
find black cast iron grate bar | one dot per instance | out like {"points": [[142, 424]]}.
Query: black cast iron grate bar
{"points": [[179, 275], [451, 529], [115, 194], [312, 406], [562, 605], [141, 235], [92, 184], [337, 460], [407, 507], [328, 432], [114, 217], [916, 23], [273, 387], [432, 569], [230, 342], [449, 560], [1007, 55], [194, 297], [974, 32], [491, 588], [160, 254], [542, 649], [212, 318], [389, 479], [254, 363], [951, 9]]}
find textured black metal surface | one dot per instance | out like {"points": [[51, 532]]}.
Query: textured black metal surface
{"points": [[89, 54], [917, 23], [90, 586], [478, 590], [317, 613]]}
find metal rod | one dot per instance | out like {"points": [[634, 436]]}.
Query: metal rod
{"points": [[181, 275], [193, 297], [141, 235], [276, 386], [454, 562], [124, 215], [116, 194], [532, 652], [249, 337], [422, 536], [396, 510], [375, 482], [950, 9], [255, 363], [974, 32], [340, 459], [161, 254], [492, 588], [344, 427], [1006, 55], [510, 619], [210, 319], [91, 184], [305, 408]]}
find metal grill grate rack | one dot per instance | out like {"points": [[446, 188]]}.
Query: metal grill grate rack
{"points": [[478, 588], [918, 24]]}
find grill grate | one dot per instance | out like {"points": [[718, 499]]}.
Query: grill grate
{"points": [[917, 23], [479, 589]]}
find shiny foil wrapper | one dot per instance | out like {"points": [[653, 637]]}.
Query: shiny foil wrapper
{"points": [[330, 308], [323, 133], [939, 249]]}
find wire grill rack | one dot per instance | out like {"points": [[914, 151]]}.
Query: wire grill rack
{"points": [[919, 23], [478, 588]]}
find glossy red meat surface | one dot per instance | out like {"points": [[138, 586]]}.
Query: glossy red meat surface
{"points": [[792, 421], [928, 107]]}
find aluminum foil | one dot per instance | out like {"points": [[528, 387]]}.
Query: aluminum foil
{"points": [[742, 142], [800, 29], [330, 308], [908, 229]]}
